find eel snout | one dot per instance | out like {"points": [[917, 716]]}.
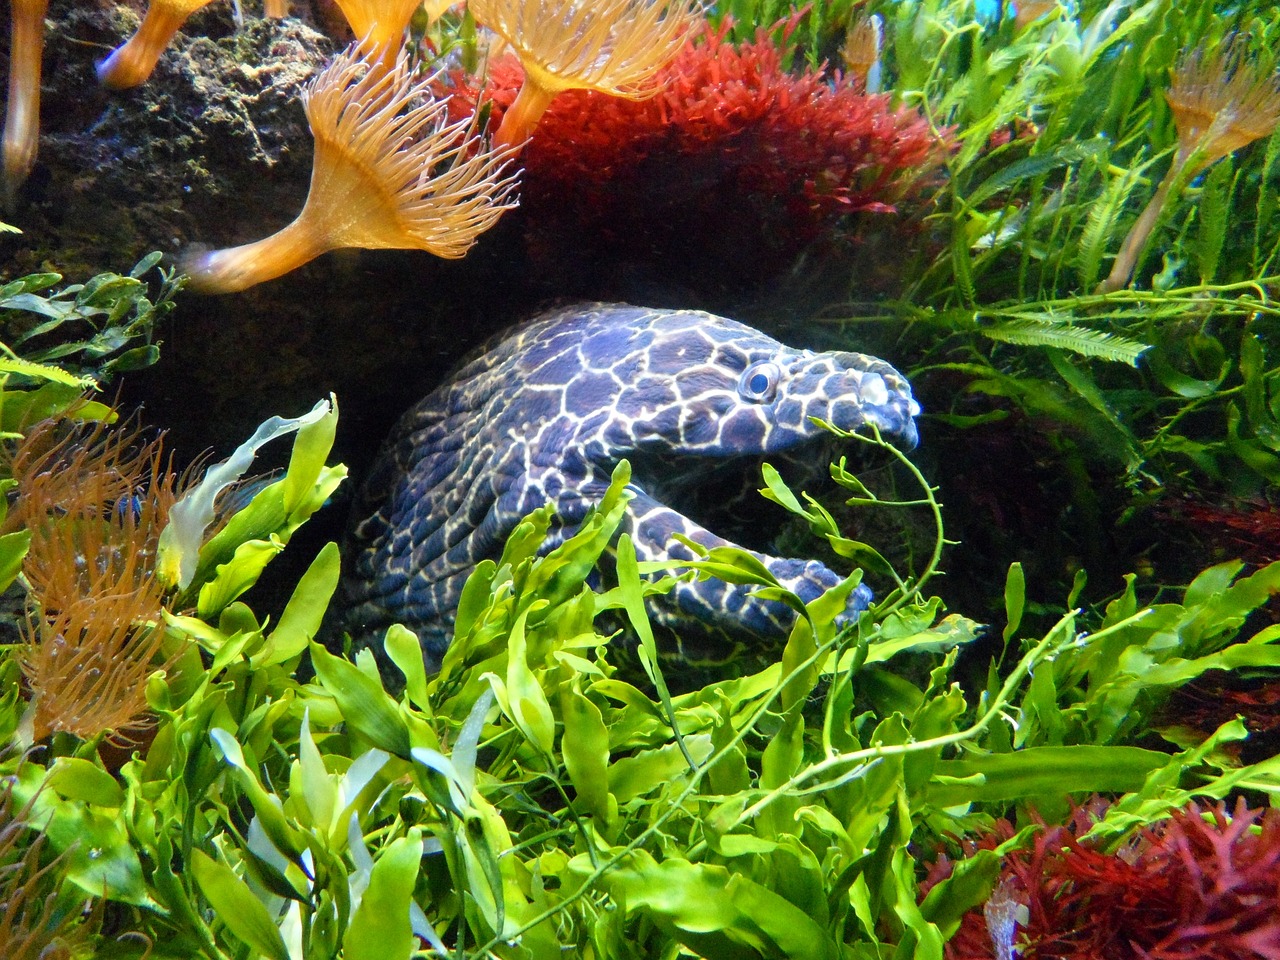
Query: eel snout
{"points": [[868, 390]]}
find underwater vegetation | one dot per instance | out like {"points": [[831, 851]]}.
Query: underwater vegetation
{"points": [[1200, 883], [1050, 732]]}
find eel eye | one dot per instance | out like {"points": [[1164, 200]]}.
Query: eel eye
{"points": [[759, 382]]}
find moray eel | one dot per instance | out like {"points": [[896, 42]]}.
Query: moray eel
{"points": [[547, 411]]}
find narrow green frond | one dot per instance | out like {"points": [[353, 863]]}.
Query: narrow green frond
{"points": [[1029, 167], [1063, 336], [1099, 229]]}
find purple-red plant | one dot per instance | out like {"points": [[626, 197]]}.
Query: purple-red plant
{"points": [[734, 153], [1200, 885]]}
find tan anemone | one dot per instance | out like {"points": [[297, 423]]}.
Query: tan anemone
{"points": [[131, 63], [610, 46], [1219, 103], [389, 172]]}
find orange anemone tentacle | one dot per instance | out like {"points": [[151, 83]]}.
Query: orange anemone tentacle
{"points": [[238, 268]]}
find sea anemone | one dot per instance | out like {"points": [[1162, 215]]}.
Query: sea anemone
{"points": [[22, 117], [131, 63], [94, 500], [613, 47], [389, 171], [1219, 104]]}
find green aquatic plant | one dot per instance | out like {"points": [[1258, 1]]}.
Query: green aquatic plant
{"points": [[92, 331], [1065, 126], [533, 792]]}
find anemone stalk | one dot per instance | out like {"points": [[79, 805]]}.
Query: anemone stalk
{"points": [[22, 117]]}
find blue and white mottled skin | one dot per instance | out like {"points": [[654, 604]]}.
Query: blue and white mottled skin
{"points": [[548, 411]]}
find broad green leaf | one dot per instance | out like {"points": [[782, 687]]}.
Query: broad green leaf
{"points": [[362, 701], [236, 575], [302, 615], [1041, 771], [1015, 597], [404, 650], [100, 858], [530, 709], [236, 907], [319, 791], [585, 746], [13, 550], [715, 913], [311, 447], [178, 553], [776, 489], [380, 927], [648, 770], [1028, 168], [286, 838], [76, 779]]}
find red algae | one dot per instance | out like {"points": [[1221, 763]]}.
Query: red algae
{"points": [[732, 144], [1200, 884]]}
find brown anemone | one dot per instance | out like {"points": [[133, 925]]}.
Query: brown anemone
{"points": [[610, 46], [94, 500], [389, 172]]}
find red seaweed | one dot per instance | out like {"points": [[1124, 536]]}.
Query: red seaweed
{"points": [[1200, 884], [735, 156]]}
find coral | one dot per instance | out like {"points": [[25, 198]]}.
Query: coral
{"points": [[1201, 884], [388, 173], [611, 47], [734, 162], [94, 500]]}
